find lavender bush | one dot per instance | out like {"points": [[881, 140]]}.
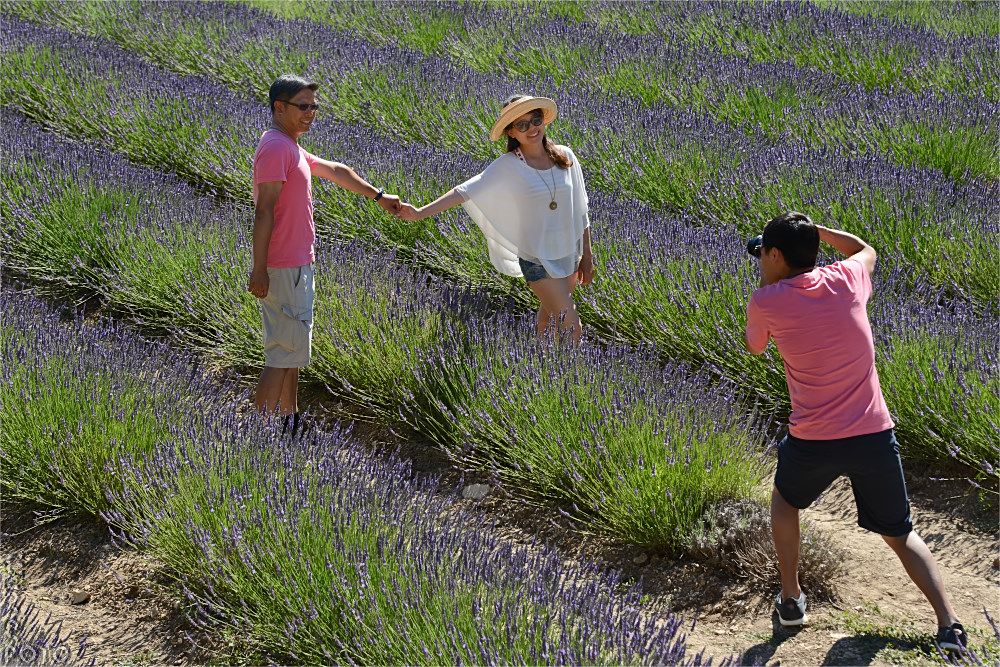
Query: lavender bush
{"points": [[939, 365], [623, 443], [341, 558], [67, 416], [335, 555], [945, 18]]}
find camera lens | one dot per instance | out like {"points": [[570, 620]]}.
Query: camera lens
{"points": [[754, 245]]}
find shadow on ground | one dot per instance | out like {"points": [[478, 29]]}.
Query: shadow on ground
{"points": [[861, 649]]}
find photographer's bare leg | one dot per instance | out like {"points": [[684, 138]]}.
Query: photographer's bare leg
{"points": [[785, 531], [920, 564]]}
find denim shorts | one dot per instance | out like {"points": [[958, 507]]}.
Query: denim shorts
{"points": [[532, 271], [806, 468]]}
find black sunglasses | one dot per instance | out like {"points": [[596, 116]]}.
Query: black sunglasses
{"points": [[302, 106], [523, 125]]}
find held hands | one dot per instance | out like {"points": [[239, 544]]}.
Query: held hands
{"points": [[446, 201], [390, 203], [403, 210], [410, 213]]}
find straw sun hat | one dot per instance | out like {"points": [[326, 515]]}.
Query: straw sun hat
{"points": [[522, 106]]}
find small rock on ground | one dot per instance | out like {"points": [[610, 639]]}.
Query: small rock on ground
{"points": [[475, 491]]}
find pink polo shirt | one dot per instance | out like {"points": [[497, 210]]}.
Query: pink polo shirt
{"points": [[293, 237], [819, 323]]}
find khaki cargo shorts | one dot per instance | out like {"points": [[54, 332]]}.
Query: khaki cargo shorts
{"points": [[287, 313]]}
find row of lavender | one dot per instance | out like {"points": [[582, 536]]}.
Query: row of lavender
{"points": [[848, 40], [768, 62], [660, 154], [468, 375], [443, 358], [334, 556], [946, 19]]}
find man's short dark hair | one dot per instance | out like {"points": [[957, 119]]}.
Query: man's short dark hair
{"points": [[287, 86], [795, 235]]}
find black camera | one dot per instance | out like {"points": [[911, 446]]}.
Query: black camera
{"points": [[754, 246]]}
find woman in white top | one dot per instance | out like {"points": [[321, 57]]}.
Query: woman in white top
{"points": [[531, 203]]}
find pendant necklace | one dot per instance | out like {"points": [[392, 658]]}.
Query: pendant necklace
{"points": [[552, 192]]}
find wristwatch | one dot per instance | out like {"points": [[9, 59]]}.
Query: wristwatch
{"points": [[379, 195]]}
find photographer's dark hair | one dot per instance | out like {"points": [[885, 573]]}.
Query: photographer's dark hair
{"points": [[795, 235], [287, 86], [561, 159]]}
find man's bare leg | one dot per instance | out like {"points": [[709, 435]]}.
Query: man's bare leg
{"points": [[270, 388], [923, 569], [290, 392], [785, 531]]}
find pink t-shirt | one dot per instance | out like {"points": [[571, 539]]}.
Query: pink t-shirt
{"points": [[293, 237], [819, 323]]}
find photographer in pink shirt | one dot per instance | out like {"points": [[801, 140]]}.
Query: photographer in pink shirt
{"points": [[839, 424]]}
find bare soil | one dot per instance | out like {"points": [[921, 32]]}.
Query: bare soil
{"points": [[129, 618], [874, 586], [132, 618]]}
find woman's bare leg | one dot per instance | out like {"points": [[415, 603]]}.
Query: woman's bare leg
{"points": [[556, 297]]}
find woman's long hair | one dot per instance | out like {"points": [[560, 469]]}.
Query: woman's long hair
{"points": [[560, 159]]}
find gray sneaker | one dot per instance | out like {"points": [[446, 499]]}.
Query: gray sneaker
{"points": [[792, 611]]}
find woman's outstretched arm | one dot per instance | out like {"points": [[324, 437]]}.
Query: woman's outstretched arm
{"points": [[448, 200]]}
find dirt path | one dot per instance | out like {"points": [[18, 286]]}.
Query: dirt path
{"points": [[126, 619], [879, 606]]}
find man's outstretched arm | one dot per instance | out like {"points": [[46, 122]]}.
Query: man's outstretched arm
{"points": [[348, 179]]}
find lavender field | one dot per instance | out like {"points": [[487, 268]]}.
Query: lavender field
{"points": [[129, 129], [336, 555]]}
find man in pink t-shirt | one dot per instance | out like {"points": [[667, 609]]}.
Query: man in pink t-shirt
{"points": [[839, 424], [284, 238]]}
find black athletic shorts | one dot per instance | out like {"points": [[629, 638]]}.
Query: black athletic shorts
{"points": [[806, 468]]}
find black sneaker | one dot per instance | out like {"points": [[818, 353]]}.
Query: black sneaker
{"points": [[792, 611], [952, 638]]}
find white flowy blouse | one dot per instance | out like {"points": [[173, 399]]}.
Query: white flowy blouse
{"points": [[509, 201]]}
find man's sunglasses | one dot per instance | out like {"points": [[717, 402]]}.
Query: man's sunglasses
{"points": [[302, 107], [523, 125]]}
